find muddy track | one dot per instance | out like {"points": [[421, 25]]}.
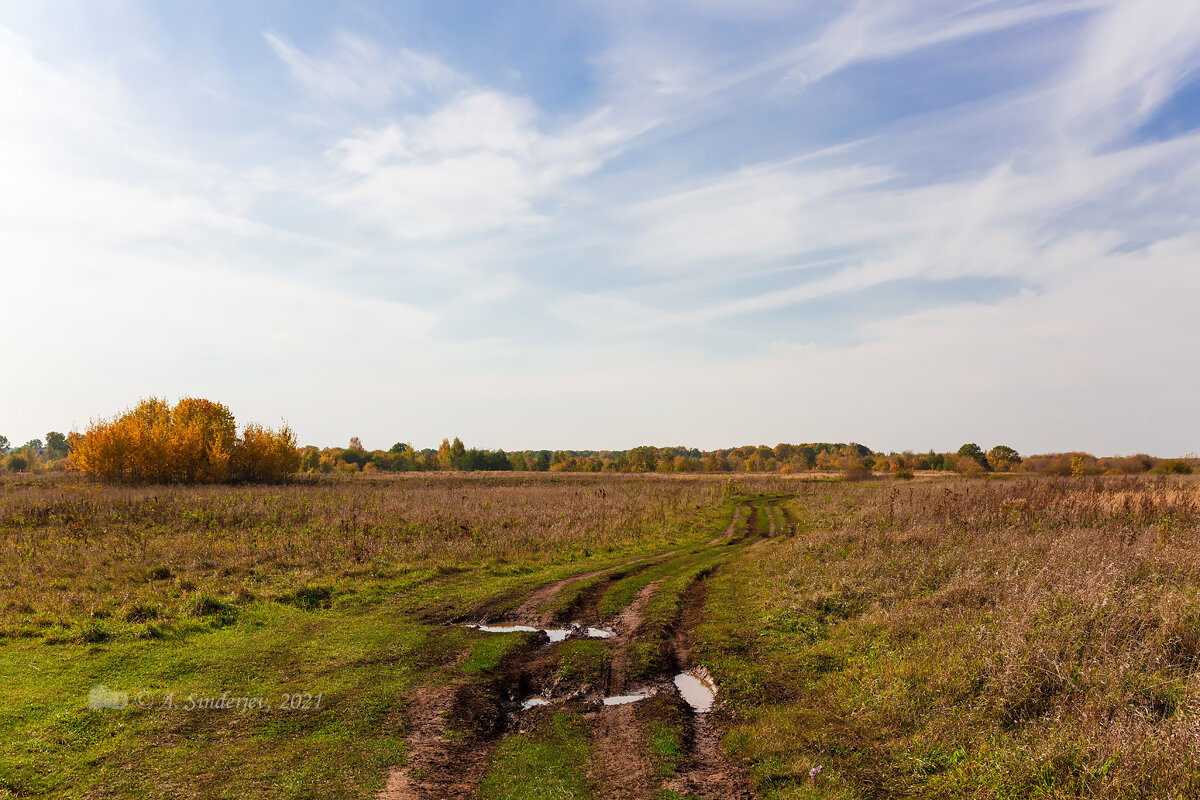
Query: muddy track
{"points": [[710, 772], [427, 773], [626, 626], [455, 728], [618, 736], [751, 532], [531, 610]]}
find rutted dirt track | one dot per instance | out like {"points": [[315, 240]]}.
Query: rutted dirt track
{"points": [[455, 728]]}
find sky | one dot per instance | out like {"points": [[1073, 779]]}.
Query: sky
{"points": [[594, 225]]}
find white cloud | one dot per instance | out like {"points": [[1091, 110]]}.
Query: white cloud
{"points": [[476, 164], [357, 70], [1137, 54]]}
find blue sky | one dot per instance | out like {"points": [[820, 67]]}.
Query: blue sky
{"points": [[591, 225]]}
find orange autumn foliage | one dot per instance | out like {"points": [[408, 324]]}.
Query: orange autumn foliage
{"points": [[194, 442]]}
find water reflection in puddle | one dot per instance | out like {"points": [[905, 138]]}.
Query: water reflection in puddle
{"points": [[555, 634], [697, 689], [533, 702], [622, 699]]}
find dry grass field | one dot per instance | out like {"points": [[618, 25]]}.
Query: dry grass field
{"points": [[1002, 637]]}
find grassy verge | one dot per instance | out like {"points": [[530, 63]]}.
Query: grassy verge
{"points": [[548, 763]]}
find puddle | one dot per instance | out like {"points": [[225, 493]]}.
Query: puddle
{"points": [[623, 699], [697, 689], [555, 634], [533, 702]]}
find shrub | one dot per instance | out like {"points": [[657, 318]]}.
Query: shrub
{"points": [[855, 471], [194, 442], [1172, 466]]}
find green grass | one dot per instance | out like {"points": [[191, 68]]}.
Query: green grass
{"points": [[547, 764], [489, 649], [583, 660], [666, 747], [57, 746]]}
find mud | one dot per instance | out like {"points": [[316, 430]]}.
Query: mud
{"points": [[453, 729], [436, 767]]}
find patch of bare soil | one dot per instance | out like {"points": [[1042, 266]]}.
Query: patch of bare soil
{"points": [[620, 766], [710, 773], [751, 527], [425, 773]]}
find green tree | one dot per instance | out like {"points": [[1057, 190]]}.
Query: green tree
{"points": [[974, 452], [3, 444], [1003, 458], [458, 455], [56, 445], [643, 459]]}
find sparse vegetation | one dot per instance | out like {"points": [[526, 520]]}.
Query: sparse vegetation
{"points": [[1012, 637], [1023, 638]]}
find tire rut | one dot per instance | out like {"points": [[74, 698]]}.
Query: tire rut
{"points": [[454, 728], [710, 773]]}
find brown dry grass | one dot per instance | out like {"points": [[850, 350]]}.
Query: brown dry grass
{"points": [[71, 548], [1000, 638]]}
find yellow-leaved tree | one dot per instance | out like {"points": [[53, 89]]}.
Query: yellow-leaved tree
{"points": [[194, 442]]}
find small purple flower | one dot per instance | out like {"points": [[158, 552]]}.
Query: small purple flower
{"points": [[813, 773]]}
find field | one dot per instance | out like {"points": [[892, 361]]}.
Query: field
{"points": [[1001, 637]]}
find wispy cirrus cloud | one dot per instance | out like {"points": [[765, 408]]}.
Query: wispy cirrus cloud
{"points": [[358, 70]]}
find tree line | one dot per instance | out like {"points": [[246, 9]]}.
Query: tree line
{"points": [[198, 441]]}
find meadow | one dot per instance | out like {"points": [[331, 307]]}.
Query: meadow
{"points": [[1015, 636]]}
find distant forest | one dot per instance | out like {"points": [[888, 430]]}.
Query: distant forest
{"points": [[782, 458], [198, 441]]}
